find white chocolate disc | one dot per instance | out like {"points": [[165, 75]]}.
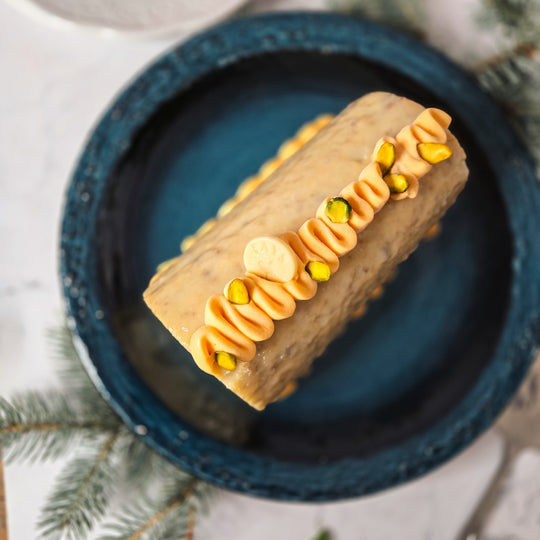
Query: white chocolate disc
{"points": [[271, 258]]}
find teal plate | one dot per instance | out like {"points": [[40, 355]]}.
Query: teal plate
{"points": [[414, 381]]}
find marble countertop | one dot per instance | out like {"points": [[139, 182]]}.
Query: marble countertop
{"points": [[54, 86]]}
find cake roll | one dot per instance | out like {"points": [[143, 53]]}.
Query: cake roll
{"points": [[259, 296]]}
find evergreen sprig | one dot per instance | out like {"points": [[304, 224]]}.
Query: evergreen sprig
{"points": [[47, 425], [405, 15], [513, 77], [166, 515], [139, 461], [518, 19], [81, 494], [62, 350]]}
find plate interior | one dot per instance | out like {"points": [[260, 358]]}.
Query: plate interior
{"points": [[397, 370]]}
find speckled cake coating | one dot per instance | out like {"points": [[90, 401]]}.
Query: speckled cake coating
{"points": [[282, 203]]}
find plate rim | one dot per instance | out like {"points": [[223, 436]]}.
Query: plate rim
{"points": [[141, 410]]}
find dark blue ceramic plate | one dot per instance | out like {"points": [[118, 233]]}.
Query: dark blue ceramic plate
{"points": [[409, 385]]}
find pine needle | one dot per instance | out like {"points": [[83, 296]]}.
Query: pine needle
{"points": [[165, 516], [514, 80], [71, 372], [81, 494], [140, 462], [68, 364], [45, 425], [75, 381], [168, 514]]}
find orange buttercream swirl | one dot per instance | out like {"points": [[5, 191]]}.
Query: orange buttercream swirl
{"points": [[429, 127], [302, 287], [235, 328]]}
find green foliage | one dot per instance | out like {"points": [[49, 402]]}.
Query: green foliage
{"points": [[140, 462], [323, 534], [165, 512], [163, 516], [81, 494], [407, 15], [518, 19], [45, 425], [74, 379], [63, 352], [513, 78]]}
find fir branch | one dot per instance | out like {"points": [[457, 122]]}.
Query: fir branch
{"points": [[75, 380], [82, 493], [165, 516], [526, 49], [68, 365], [45, 425], [168, 514], [41, 425], [403, 14], [513, 77], [72, 375], [246, 9], [140, 460], [518, 19], [168, 510], [513, 80]]}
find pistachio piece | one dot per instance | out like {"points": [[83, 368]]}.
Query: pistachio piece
{"points": [[386, 155], [236, 292], [225, 360], [271, 258], [318, 271], [338, 210], [397, 183], [433, 152]]}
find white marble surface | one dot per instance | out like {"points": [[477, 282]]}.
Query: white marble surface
{"points": [[138, 19], [53, 87]]}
